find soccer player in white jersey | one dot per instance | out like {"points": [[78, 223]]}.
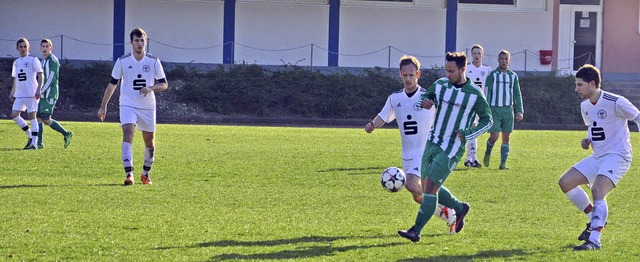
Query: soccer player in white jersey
{"points": [[457, 102], [25, 91], [477, 72], [140, 75], [606, 115], [414, 123]]}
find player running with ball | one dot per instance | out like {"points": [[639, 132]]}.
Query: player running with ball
{"points": [[414, 123], [457, 101]]}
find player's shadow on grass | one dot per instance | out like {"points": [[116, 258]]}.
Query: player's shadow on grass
{"points": [[21, 186], [277, 242], [12, 149], [354, 170], [483, 255], [305, 247], [37, 186], [298, 253]]}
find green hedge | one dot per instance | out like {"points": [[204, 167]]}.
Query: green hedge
{"points": [[297, 92]]}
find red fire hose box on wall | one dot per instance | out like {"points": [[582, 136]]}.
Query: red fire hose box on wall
{"points": [[545, 57]]}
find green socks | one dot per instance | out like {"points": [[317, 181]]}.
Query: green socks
{"points": [[504, 153], [41, 127], [427, 208], [445, 198], [489, 148], [54, 125], [57, 127]]}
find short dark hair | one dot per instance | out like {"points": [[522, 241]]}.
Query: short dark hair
{"points": [[137, 32], [22, 40], [46, 40], [589, 73], [409, 60], [459, 57], [504, 52]]}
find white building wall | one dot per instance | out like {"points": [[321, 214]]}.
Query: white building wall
{"points": [[367, 32], [179, 31], [87, 26], [281, 33], [515, 31]]}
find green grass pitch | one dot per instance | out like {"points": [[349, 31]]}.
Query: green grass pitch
{"points": [[228, 193]]}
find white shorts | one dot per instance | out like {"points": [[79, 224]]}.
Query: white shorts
{"points": [[28, 103], [144, 119], [412, 165], [612, 166]]}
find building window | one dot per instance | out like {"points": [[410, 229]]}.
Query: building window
{"points": [[488, 2]]}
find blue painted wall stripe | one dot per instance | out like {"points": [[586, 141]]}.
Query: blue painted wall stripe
{"points": [[452, 25], [229, 32], [118, 28], [334, 32]]}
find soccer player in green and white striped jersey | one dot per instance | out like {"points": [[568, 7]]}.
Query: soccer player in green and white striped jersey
{"points": [[502, 88], [458, 101], [49, 94]]}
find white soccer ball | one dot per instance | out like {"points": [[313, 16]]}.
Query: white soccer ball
{"points": [[393, 179]]}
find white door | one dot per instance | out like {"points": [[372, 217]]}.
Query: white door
{"points": [[580, 35]]}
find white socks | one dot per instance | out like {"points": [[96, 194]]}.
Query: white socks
{"points": [[579, 198], [23, 124], [35, 128], [127, 157], [472, 145], [149, 154]]}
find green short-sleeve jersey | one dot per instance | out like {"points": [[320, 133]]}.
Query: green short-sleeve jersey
{"points": [[457, 107]]}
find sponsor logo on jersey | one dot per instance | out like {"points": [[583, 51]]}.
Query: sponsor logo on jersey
{"points": [[458, 105], [399, 105], [602, 114], [130, 67], [417, 106]]}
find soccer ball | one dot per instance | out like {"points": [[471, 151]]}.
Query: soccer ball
{"points": [[393, 179]]}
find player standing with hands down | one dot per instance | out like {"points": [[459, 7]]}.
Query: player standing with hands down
{"points": [[477, 72], [414, 123], [606, 114], [25, 91], [140, 75], [49, 95], [503, 91], [457, 101]]}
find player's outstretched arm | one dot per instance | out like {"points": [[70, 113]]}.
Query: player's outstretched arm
{"points": [[102, 112]]}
